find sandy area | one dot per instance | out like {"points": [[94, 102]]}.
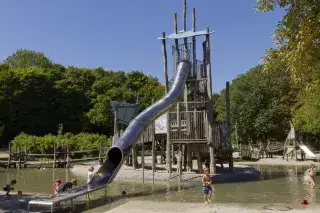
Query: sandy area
{"points": [[240, 173], [171, 207], [277, 160], [127, 173]]}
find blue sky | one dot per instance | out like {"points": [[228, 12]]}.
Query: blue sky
{"points": [[121, 34]]}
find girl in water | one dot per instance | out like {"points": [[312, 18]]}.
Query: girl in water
{"points": [[312, 173]]}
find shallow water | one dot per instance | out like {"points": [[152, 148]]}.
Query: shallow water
{"points": [[280, 184]]}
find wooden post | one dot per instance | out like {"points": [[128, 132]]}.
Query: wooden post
{"points": [[199, 163], [207, 60], [229, 124], [134, 158], [184, 23], [180, 162], [9, 157], [100, 153], [25, 156], [142, 158], [165, 67], [186, 54], [194, 47], [153, 152], [176, 41], [194, 61], [172, 155], [189, 158], [115, 127], [19, 157], [54, 154], [184, 157], [237, 140], [162, 151]]}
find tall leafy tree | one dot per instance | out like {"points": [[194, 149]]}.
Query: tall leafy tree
{"points": [[28, 58]]}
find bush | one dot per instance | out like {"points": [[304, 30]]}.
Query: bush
{"points": [[38, 144]]}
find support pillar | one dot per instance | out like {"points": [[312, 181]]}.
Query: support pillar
{"points": [[189, 158], [162, 152]]}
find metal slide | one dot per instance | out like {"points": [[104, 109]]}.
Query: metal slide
{"points": [[307, 151], [122, 147]]}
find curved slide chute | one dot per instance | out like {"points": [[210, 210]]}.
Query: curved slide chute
{"points": [[122, 147]]}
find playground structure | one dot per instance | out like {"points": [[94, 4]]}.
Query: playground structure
{"points": [[189, 123], [291, 148], [188, 128]]}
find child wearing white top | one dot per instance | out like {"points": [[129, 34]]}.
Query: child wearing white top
{"points": [[90, 174]]}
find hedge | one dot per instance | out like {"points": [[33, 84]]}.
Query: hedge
{"points": [[44, 144]]}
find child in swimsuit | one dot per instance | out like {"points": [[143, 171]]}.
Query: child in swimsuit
{"points": [[9, 187], [90, 174], [56, 186], [67, 185], [312, 174], [206, 182]]}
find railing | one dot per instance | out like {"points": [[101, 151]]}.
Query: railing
{"points": [[188, 125]]}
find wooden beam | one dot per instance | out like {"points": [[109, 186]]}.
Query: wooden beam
{"points": [[176, 41], [184, 23], [165, 68], [207, 59], [228, 118], [194, 40]]}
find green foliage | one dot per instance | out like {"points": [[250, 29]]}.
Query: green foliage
{"points": [[44, 144], [28, 58], [286, 86], [258, 105], [36, 96], [298, 39]]}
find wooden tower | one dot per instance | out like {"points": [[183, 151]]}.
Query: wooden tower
{"points": [[190, 125]]}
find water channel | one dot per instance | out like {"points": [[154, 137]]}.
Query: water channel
{"points": [[279, 184]]}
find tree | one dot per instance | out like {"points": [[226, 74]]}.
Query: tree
{"points": [[298, 39], [27, 101], [258, 105], [28, 58]]}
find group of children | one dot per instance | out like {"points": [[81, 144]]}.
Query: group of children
{"points": [[59, 187]]}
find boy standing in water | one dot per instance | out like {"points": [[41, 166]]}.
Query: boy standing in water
{"points": [[312, 172], [68, 162], [207, 190]]}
